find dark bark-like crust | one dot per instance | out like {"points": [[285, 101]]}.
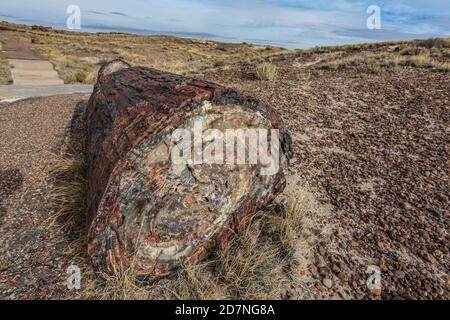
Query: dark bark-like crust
{"points": [[129, 110]]}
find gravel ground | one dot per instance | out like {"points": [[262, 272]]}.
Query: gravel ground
{"points": [[31, 266], [377, 147]]}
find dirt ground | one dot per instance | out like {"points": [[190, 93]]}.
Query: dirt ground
{"points": [[375, 147], [15, 49]]}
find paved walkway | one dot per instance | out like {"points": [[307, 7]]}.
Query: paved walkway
{"points": [[18, 92], [33, 72], [32, 76]]}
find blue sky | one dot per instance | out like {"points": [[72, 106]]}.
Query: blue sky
{"points": [[287, 23]]}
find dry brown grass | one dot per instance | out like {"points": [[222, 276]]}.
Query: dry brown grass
{"points": [[419, 61], [266, 71], [77, 56], [434, 43], [266, 258], [422, 61], [68, 194], [5, 73], [380, 61], [119, 285], [75, 53], [442, 67], [366, 63]]}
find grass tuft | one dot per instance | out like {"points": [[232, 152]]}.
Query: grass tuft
{"points": [[442, 67], [266, 71], [434, 43], [5, 71], [68, 195], [375, 70], [80, 77]]}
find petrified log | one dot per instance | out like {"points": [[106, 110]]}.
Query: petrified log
{"points": [[148, 210]]}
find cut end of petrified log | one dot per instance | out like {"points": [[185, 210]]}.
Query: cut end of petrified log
{"points": [[113, 66], [151, 205]]}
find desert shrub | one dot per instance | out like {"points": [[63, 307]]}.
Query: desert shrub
{"points": [[219, 63], [91, 78], [434, 43], [374, 69], [80, 77], [348, 62], [340, 64], [388, 63], [412, 51], [102, 62], [5, 74], [420, 61], [266, 71], [402, 47], [442, 67], [326, 66]]}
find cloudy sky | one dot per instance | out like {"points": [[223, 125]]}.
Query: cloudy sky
{"points": [[287, 23]]}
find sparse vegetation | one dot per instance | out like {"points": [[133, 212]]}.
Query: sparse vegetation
{"points": [[71, 52], [219, 63], [422, 61], [5, 73], [435, 43], [77, 57], [406, 54], [412, 51], [69, 192], [266, 71], [375, 69], [442, 67], [369, 64], [419, 61], [80, 77]]}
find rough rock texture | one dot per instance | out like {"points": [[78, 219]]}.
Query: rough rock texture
{"points": [[147, 211], [377, 149]]}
